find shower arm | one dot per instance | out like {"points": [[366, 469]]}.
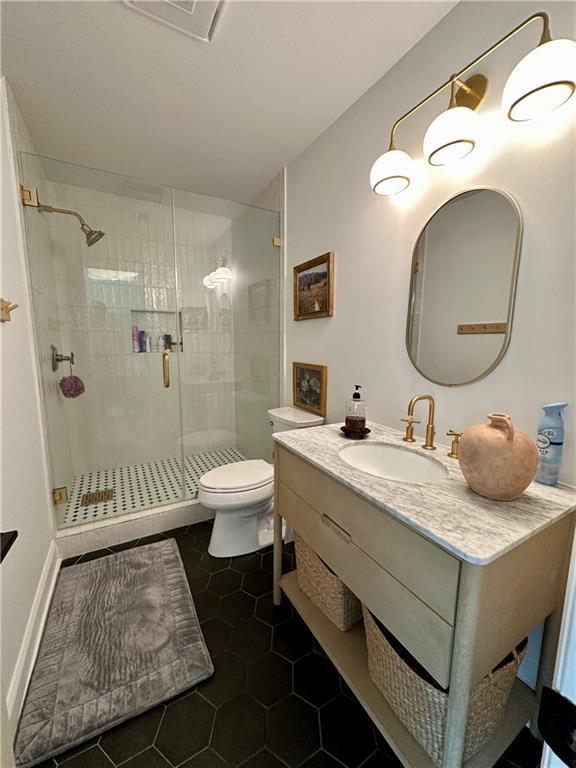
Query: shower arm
{"points": [[50, 209]]}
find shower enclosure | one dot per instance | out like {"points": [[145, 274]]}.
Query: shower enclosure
{"points": [[178, 371]]}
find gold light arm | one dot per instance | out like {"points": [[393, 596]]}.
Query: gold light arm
{"points": [[544, 38]]}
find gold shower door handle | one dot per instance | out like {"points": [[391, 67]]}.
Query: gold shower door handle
{"points": [[166, 368]]}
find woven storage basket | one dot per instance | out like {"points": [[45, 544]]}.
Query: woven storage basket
{"points": [[325, 589], [422, 707]]}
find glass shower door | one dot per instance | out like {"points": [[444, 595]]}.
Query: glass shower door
{"points": [[116, 447], [228, 294]]}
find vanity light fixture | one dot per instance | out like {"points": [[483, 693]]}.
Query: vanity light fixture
{"points": [[392, 172], [544, 80], [223, 274], [208, 283], [454, 133]]}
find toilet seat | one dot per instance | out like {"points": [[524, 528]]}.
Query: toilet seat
{"points": [[238, 477], [242, 485]]}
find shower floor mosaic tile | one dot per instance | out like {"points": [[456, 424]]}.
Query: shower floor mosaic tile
{"points": [[140, 486], [275, 701]]}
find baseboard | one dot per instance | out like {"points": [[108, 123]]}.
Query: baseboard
{"points": [[32, 636]]}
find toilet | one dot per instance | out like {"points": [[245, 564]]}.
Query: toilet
{"points": [[242, 493]]}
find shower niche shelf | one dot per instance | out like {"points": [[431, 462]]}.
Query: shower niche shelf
{"points": [[156, 331]]}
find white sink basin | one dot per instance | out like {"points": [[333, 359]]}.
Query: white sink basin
{"points": [[393, 462]]}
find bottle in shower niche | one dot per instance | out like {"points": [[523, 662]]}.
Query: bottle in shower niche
{"points": [[550, 441], [356, 412]]}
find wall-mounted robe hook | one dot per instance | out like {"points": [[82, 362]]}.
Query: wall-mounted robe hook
{"points": [[5, 308], [58, 358]]}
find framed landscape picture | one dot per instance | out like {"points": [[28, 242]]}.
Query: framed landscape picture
{"points": [[309, 387], [314, 288]]}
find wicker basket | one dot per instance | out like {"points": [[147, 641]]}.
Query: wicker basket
{"points": [[422, 707], [325, 589]]}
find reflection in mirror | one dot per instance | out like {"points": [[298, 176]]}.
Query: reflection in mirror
{"points": [[461, 302]]}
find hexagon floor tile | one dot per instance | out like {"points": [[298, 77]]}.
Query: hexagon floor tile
{"points": [[275, 700], [239, 730], [185, 728], [269, 679], [293, 730]]}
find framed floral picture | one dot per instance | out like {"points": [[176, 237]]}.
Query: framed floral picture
{"points": [[309, 387], [314, 288]]}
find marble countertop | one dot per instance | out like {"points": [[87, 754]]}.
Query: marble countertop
{"points": [[447, 512]]}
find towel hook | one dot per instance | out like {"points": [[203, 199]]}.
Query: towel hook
{"points": [[58, 358]]}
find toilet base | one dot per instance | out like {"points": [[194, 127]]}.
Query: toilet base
{"points": [[235, 531]]}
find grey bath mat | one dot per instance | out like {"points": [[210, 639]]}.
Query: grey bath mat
{"points": [[121, 636]]}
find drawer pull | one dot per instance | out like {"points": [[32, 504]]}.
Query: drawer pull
{"points": [[344, 535]]}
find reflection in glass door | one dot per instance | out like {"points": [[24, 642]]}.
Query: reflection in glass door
{"points": [[228, 273]]}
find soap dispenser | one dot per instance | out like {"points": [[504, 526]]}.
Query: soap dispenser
{"points": [[550, 441], [356, 414]]}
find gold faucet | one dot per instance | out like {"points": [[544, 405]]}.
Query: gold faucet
{"points": [[430, 428]]}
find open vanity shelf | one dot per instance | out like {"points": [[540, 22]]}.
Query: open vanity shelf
{"points": [[347, 651]]}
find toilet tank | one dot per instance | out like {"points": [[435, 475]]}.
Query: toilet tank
{"points": [[288, 417]]}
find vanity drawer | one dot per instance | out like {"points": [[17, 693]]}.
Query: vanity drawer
{"points": [[428, 571], [424, 633]]}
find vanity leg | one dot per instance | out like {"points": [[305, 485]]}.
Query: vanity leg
{"points": [[277, 558], [277, 564], [462, 663]]}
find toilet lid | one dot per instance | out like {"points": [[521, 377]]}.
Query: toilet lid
{"points": [[238, 476]]}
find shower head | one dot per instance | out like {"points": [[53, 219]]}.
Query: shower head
{"points": [[92, 235]]}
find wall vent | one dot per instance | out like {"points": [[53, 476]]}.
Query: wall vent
{"points": [[196, 18]]}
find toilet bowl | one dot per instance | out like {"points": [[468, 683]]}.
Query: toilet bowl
{"points": [[242, 493]]}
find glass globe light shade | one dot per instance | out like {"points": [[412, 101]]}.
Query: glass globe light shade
{"points": [[223, 274], [451, 136], [207, 283], [541, 82], [391, 173]]}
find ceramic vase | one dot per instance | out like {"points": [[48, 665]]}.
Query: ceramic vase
{"points": [[498, 461]]}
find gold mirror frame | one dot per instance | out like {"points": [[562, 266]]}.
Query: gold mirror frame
{"points": [[511, 295]]}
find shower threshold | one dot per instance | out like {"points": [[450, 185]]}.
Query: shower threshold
{"points": [[141, 486]]}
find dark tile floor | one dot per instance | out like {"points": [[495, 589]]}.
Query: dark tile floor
{"points": [[275, 700]]}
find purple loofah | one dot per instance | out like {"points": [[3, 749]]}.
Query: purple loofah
{"points": [[72, 386]]}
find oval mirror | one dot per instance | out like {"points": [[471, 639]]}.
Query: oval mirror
{"points": [[462, 287]]}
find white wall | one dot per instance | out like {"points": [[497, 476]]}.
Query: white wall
{"points": [[25, 502], [330, 207]]}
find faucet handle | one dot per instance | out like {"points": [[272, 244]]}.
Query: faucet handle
{"points": [[409, 436], [453, 453]]}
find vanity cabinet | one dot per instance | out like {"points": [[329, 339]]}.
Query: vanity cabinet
{"points": [[458, 618]]}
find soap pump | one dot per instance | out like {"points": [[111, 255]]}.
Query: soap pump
{"points": [[356, 412]]}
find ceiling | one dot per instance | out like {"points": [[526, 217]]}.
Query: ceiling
{"points": [[101, 85]]}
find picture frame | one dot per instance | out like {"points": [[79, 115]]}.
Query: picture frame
{"points": [[309, 383], [314, 288]]}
